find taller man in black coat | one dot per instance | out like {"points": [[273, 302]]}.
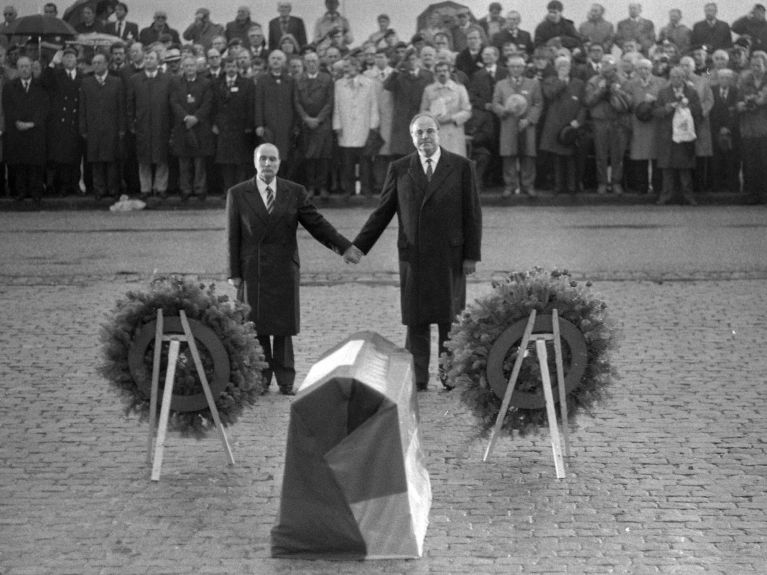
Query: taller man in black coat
{"points": [[262, 216], [434, 195]]}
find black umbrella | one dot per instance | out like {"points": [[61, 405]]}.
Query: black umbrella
{"points": [[103, 9], [39, 25]]}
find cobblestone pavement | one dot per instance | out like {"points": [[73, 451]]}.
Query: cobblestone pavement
{"points": [[668, 476]]}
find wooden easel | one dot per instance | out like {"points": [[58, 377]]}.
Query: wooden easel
{"points": [[170, 375], [540, 340]]}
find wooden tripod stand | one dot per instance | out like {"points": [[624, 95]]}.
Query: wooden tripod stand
{"points": [[170, 375], [540, 340]]}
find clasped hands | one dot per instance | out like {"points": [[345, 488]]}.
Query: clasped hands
{"points": [[352, 255]]}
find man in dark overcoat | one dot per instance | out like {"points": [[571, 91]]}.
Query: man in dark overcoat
{"points": [[233, 123], [25, 104], [407, 84], [314, 105], [434, 195], [262, 217], [191, 99], [64, 141], [102, 125], [676, 159], [274, 114], [149, 120]]}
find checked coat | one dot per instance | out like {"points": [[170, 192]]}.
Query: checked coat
{"points": [[263, 250], [440, 226]]}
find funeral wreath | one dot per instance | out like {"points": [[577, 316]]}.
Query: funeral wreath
{"points": [[231, 357], [486, 337]]}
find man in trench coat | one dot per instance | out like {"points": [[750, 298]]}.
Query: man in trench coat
{"points": [[263, 256], [434, 194]]}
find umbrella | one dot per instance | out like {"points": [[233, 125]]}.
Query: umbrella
{"points": [[446, 10], [95, 39], [104, 8], [39, 25]]}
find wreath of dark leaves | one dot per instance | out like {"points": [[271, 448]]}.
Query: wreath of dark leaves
{"points": [[224, 316], [512, 299]]}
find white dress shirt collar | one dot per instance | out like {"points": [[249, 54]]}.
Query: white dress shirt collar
{"points": [[434, 160]]}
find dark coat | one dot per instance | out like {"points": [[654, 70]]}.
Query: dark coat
{"points": [[295, 27], [467, 63], [274, 109], [314, 99], [25, 147], [64, 141], [407, 91], [724, 115], [482, 86], [440, 226], [150, 35], [674, 155], [564, 30], [149, 116], [193, 98], [564, 104], [522, 40], [102, 118], [263, 251], [130, 31], [234, 120], [718, 36]]}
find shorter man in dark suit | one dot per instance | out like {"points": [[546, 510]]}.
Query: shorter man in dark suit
{"points": [[434, 195], [522, 39], [126, 31], [286, 24], [262, 216], [725, 132]]}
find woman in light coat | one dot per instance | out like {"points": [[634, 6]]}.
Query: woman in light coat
{"points": [[449, 102]]}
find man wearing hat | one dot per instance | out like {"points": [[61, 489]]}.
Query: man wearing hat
{"points": [[64, 141], [644, 88], [172, 62], [202, 30], [156, 29], [754, 26], [711, 31]]}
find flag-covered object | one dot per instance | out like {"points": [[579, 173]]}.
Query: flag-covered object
{"points": [[355, 485]]}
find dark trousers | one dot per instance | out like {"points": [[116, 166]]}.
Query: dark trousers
{"points": [[564, 173], [231, 174], [755, 167], [351, 157], [640, 176], [28, 179], [669, 184], [105, 179], [198, 182], [726, 169], [418, 343], [316, 170], [278, 352], [63, 178]]}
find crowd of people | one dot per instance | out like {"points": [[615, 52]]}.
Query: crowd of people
{"points": [[630, 107]]}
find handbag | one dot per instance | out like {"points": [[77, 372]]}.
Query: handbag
{"points": [[682, 126], [373, 144]]}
